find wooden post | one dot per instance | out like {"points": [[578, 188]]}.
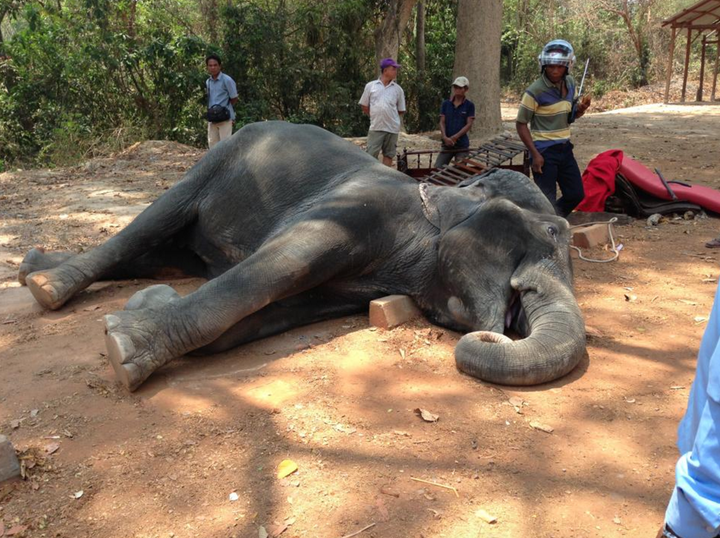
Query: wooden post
{"points": [[717, 63], [687, 64], [702, 70], [670, 65]]}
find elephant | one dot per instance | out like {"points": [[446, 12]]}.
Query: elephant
{"points": [[291, 225]]}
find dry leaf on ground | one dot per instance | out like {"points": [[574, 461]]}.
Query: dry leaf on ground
{"points": [[426, 415], [286, 467], [276, 529], [482, 514], [542, 427]]}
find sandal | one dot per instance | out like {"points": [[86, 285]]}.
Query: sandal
{"points": [[715, 243]]}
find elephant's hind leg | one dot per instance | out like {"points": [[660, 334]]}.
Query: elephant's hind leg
{"points": [[37, 260], [155, 227], [54, 286]]}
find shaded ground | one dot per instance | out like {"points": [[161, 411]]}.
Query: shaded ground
{"points": [[338, 398]]}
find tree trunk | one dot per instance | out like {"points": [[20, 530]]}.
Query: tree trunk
{"points": [[477, 57], [387, 35], [210, 13], [420, 37]]}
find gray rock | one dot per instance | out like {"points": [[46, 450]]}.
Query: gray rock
{"points": [[9, 464]]}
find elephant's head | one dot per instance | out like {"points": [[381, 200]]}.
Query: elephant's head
{"points": [[504, 266]]}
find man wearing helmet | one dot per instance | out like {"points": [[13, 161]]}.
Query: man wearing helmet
{"points": [[546, 106]]}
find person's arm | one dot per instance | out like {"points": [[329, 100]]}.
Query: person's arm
{"points": [[365, 100], [526, 112], [582, 106], [401, 102], [694, 508], [231, 89], [446, 140], [461, 132], [524, 133]]}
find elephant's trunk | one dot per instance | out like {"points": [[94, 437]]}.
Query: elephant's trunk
{"points": [[553, 347]]}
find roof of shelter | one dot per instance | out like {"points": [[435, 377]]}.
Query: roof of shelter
{"points": [[704, 15]]}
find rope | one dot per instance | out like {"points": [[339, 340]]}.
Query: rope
{"points": [[610, 234]]}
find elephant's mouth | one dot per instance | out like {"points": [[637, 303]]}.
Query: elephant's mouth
{"points": [[515, 319]]}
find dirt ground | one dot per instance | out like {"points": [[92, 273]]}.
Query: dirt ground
{"points": [[195, 451]]}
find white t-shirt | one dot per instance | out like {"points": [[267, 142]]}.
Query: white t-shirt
{"points": [[385, 103]]}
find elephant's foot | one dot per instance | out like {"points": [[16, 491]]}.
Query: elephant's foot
{"points": [[135, 347], [52, 288], [152, 297], [38, 260]]}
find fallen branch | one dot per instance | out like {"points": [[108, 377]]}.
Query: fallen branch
{"points": [[436, 484], [358, 532]]}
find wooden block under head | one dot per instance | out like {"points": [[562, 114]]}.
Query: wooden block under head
{"points": [[392, 311], [591, 236]]}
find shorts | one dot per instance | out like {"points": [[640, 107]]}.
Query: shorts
{"points": [[377, 140]]}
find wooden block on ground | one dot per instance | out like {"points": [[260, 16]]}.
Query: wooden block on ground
{"points": [[392, 311], [591, 236], [9, 464]]}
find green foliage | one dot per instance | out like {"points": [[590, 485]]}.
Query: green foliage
{"points": [[299, 62], [77, 77], [82, 77]]}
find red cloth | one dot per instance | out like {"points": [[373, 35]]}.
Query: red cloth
{"points": [[599, 180]]}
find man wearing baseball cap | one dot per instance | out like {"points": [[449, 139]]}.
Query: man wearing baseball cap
{"points": [[456, 118], [384, 101]]}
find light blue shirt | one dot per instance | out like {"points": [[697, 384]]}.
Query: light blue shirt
{"points": [[220, 91], [694, 508]]}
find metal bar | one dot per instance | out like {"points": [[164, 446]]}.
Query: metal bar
{"points": [[451, 171], [439, 181], [476, 163], [495, 150], [471, 171], [513, 145]]}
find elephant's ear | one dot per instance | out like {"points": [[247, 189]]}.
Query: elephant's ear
{"points": [[446, 207], [513, 186]]}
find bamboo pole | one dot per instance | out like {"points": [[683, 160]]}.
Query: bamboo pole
{"points": [[670, 65], [702, 70], [687, 64], [715, 71]]}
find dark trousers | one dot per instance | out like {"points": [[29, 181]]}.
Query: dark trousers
{"points": [[561, 169], [443, 159]]}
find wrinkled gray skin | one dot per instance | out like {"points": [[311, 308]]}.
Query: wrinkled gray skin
{"points": [[292, 225]]}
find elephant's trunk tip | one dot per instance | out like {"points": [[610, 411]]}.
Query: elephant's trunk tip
{"points": [[490, 337]]}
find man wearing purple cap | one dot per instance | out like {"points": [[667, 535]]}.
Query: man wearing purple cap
{"points": [[384, 101]]}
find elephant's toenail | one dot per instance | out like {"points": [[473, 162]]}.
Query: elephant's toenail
{"points": [[111, 322]]}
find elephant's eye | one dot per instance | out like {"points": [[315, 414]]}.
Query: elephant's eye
{"points": [[552, 231]]}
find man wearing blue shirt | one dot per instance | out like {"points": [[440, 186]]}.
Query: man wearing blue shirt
{"points": [[456, 118], [694, 508], [223, 92]]}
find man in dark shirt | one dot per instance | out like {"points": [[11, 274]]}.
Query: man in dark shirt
{"points": [[456, 118]]}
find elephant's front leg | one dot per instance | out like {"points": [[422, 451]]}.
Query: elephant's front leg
{"points": [[141, 341]]}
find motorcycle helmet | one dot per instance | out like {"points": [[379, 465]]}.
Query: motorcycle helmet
{"points": [[557, 52]]}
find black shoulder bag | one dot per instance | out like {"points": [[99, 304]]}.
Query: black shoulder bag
{"points": [[218, 114]]}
